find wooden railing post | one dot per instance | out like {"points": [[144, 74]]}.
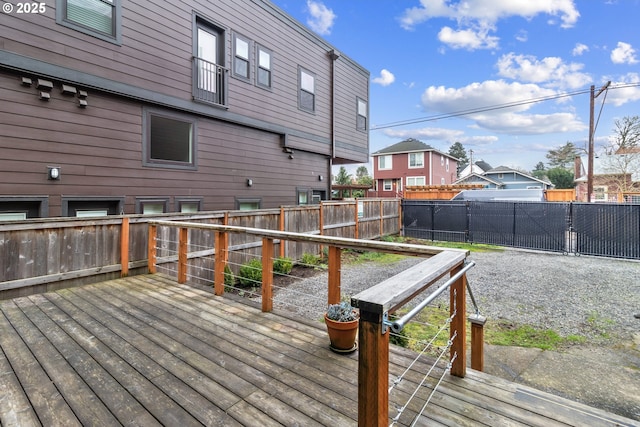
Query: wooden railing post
{"points": [[182, 254], [334, 275], [355, 219], [151, 249], [220, 242], [124, 247], [477, 341], [373, 370], [282, 225], [267, 274], [458, 326]]}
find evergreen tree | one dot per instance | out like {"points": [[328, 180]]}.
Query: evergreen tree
{"points": [[563, 156], [561, 177], [457, 150], [539, 172]]}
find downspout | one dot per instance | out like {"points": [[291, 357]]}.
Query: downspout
{"points": [[334, 55]]}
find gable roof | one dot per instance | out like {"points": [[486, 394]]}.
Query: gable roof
{"points": [[483, 165], [475, 177], [602, 166], [408, 145], [506, 169]]}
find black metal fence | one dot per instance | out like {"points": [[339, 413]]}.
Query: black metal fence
{"points": [[581, 228]]}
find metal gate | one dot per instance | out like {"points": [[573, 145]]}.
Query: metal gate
{"points": [[580, 228]]}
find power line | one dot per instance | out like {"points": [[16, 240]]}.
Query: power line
{"points": [[494, 107]]}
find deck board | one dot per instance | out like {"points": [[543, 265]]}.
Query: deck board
{"points": [[146, 351]]}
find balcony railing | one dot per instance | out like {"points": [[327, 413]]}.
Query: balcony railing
{"points": [[209, 82]]}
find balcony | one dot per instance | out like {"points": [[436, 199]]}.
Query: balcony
{"points": [[209, 82]]}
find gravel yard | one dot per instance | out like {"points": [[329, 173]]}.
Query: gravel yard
{"points": [[574, 295]]}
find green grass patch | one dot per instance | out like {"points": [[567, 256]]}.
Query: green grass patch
{"points": [[472, 247], [379, 257], [428, 322]]}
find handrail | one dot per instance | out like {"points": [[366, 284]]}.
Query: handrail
{"points": [[398, 325]]}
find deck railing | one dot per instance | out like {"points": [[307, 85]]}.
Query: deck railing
{"points": [[375, 304]]}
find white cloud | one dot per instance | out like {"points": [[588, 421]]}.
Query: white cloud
{"points": [[498, 93], [321, 19], [624, 54], [428, 134], [489, 11], [550, 70], [476, 16], [385, 79], [522, 36], [580, 49], [468, 39], [624, 94]]}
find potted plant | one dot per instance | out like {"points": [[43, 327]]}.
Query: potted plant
{"points": [[342, 325]]}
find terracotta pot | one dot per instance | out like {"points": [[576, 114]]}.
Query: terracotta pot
{"points": [[342, 334]]}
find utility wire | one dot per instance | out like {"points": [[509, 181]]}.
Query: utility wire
{"points": [[494, 107]]}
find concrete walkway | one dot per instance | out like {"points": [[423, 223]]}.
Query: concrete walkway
{"points": [[606, 378]]}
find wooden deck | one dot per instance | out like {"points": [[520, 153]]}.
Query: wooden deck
{"points": [[147, 351]]}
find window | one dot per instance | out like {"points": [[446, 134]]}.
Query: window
{"points": [[152, 206], [415, 180], [263, 70], [447, 164], [169, 140], [86, 207], [23, 207], [384, 162], [98, 18], [441, 160], [361, 118], [241, 62], [442, 181], [209, 73], [387, 185], [416, 160], [247, 204], [307, 96], [188, 205], [600, 192], [303, 197]]}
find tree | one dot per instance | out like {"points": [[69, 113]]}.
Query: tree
{"points": [[539, 172], [563, 156], [622, 160], [361, 172], [561, 177], [457, 150], [343, 178]]}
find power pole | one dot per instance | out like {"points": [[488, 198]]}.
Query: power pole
{"points": [[591, 132]]}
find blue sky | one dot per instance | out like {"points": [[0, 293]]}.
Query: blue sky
{"points": [[431, 58]]}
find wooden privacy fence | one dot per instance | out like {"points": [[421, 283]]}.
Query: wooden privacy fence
{"points": [[40, 255], [375, 304]]}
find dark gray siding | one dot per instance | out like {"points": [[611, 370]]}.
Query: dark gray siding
{"points": [[155, 56], [99, 150]]}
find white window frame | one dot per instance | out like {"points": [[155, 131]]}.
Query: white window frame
{"points": [[418, 160], [382, 162], [412, 181], [447, 164], [387, 185]]}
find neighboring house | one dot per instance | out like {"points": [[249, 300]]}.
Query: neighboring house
{"points": [[410, 163], [479, 167], [149, 106], [504, 178], [608, 184]]}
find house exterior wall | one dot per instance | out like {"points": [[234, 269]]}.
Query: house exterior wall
{"points": [[515, 181], [100, 148], [438, 169]]}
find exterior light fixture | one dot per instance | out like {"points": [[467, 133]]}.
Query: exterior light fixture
{"points": [[53, 172], [249, 182], [320, 178]]}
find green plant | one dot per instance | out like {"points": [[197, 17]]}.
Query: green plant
{"points": [[282, 265], [342, 312], [229, 277], [310, 259], [250, 273]]}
